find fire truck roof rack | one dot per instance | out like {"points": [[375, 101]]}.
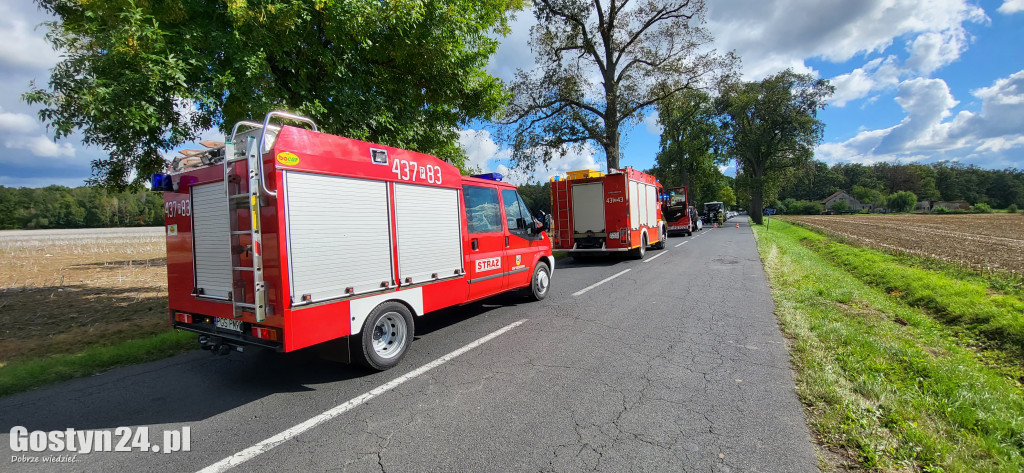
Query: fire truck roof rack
{"points": [[263, 135]]}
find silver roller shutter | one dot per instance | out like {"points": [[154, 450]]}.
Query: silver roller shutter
{"points": [[211, 249], [652, 206], [634, 206], [588, 207], [429, 232], [338, 236]]}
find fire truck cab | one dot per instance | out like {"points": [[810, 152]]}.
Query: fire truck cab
{"points": [[678, 211], [286, 238], [593, 212]]}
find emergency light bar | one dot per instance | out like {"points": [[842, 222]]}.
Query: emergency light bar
{"points": [[161, 183], [493, 176]]}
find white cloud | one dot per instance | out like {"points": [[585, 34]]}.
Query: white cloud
{"points": [[993, 137], [484, 155], [771, 36], [17, 123], [1011, 6], [40, 146], [514, 52], [23, 45], [652, 124], [933, 50]]}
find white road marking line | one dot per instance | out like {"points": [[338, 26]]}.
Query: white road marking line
{"points": [[655, 256], [581, 291], [683, 243], [264, 446]]}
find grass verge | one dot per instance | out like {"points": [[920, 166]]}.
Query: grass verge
{"points": [[25, 374], [883, 383], [968, 303]]}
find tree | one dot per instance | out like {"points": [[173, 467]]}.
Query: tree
{"points": [[839, 206], [770, 128], [688, 155], [902, 201], [728, 197], [603, 65], [139, 78]]}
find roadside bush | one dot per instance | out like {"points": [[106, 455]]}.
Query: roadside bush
{"points": [[940, 210], [840, 206], [804, 207], [981, 208], [1012, 208], [902, 201]]}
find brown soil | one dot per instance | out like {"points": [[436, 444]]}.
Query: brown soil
{"points": [[62, 292], [991, 242]]}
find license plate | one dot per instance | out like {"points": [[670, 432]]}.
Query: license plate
{"points": [[230, 324]]}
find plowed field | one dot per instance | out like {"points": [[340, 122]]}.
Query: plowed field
{"points": [[993, 242]]}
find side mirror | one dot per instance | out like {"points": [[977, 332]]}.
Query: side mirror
{"points": [[543, 219]]}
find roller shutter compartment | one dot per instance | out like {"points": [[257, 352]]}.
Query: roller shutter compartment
{"points": [[211, 248], [429, 231], [339, 236]]}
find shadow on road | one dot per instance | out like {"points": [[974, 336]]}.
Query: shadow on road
{"points": [[199, 385]]}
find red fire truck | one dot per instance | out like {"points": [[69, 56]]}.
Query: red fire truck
{"points": [[678, 211], [593, 212], [284, 237]]}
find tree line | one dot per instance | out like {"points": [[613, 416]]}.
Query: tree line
{"points": [[876, 184], [80, 207]]}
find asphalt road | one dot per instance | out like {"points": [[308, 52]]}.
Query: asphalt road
{"points": [[674, 365]]}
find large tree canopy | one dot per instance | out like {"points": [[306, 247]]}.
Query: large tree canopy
{"points": [[771, 128], [140, 77], [603, 65], [689, 153]]}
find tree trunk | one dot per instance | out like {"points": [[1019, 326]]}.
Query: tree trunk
{"points": [[611, 146], [756, 210]]}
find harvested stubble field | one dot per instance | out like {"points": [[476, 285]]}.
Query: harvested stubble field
{"points": [[64, 290], [988, 242]]}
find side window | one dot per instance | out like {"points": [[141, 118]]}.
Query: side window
{"points": [[526, 210], [513, 213], [482, 215]]}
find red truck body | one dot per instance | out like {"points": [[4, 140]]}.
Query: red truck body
{"points": [[353, 227], [678, 211], [593, 212]]}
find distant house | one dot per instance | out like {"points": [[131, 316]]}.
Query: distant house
{"points": [[851, 202], [931, 205]]}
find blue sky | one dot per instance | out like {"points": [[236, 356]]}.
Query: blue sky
{"points": [[917, 81]]}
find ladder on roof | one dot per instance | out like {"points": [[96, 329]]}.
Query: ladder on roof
{"points": [[242, 183], [562, 204]]}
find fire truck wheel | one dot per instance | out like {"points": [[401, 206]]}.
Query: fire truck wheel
{"points": [[642, 250], [660, 245], [541, 281], [386, 335]]}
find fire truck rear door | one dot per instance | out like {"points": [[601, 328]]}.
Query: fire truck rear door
{"points": [[485, 245]]}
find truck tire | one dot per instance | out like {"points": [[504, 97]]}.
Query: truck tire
{"points": [[540, 282], [660, 245], [642, 250], [386, 336]]}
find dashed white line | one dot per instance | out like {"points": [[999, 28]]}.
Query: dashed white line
{"points": [[264, 446], [655, 256], [683, 243], [609, 278]]}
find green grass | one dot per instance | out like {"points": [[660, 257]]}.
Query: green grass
{"points": [[885, 384], [26, 374], [970, 304]]}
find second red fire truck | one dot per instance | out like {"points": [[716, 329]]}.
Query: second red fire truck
{"points": [[593, 212], [286, 238]]}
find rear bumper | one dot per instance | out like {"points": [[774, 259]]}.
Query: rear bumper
{"points": [[229, 336]]}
